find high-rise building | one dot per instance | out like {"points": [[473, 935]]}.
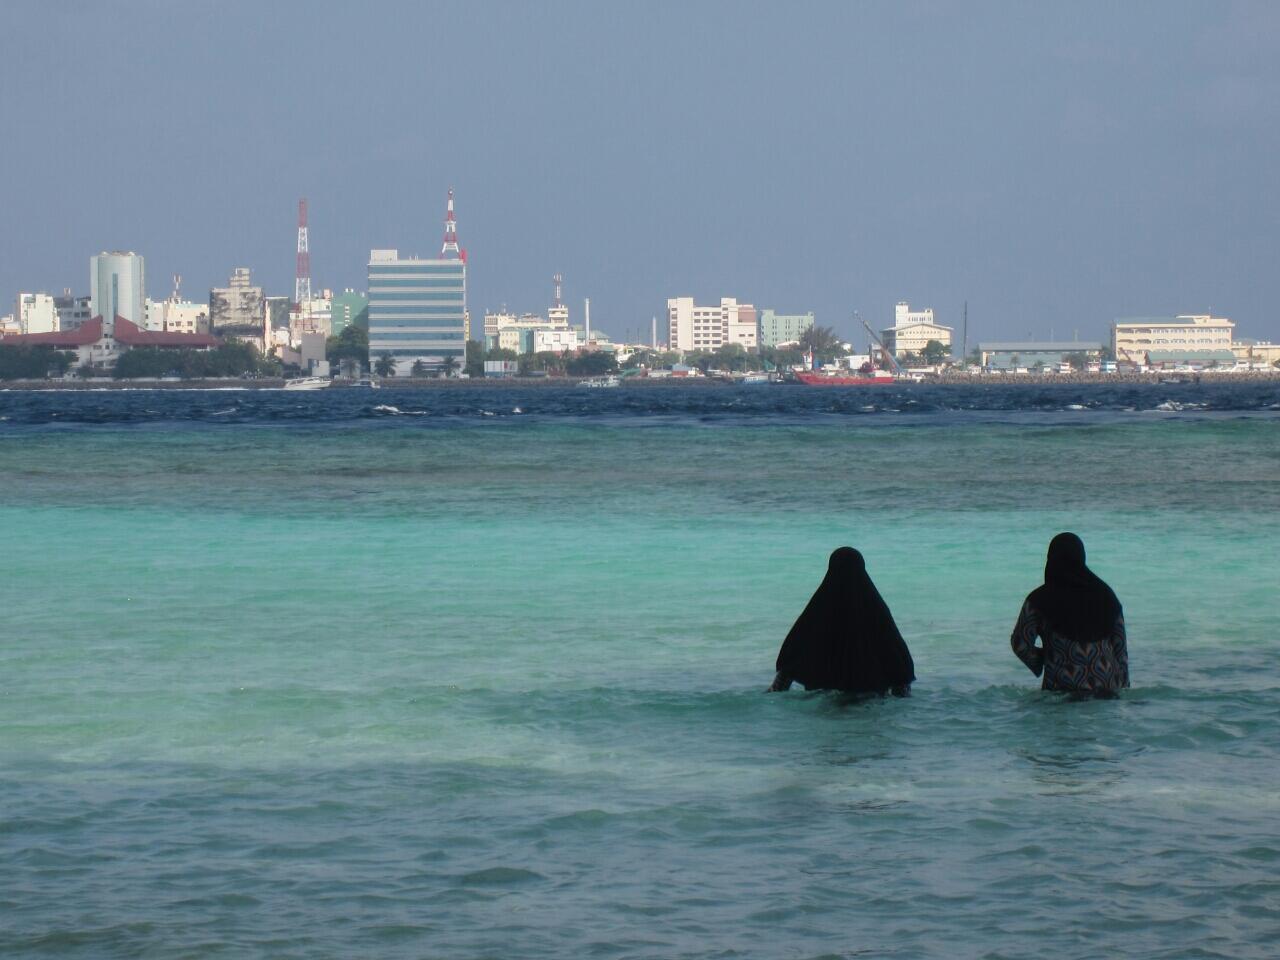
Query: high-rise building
{"points": [[238, 310], [36, 313], [418, 308], [912, 330], [117, 288], [691, 327], [778, 328]]}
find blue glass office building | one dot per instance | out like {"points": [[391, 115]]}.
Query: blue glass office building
{"points": [[417, 310]]}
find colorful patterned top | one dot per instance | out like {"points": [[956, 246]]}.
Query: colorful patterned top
{"points": [[1100, 666]]}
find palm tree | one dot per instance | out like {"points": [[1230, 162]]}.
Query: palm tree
{"points": [[419, 369], [448, 365], [385, 365], [821, 341], [934, 352]]}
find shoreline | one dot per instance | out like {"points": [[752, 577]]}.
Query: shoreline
{"points": [[949, 380]]}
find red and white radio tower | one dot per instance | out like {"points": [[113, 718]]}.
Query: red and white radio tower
{"points": [[302, 283], [450, 248]]}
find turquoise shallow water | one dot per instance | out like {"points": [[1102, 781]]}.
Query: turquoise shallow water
{"points": [[492, 689]]}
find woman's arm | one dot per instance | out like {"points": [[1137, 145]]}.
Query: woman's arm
{"points": [[780, 682], [1120, 650], [1024, 636]]}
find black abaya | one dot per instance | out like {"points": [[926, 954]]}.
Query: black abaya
{"points": [[846, 638], [1074, 601]]}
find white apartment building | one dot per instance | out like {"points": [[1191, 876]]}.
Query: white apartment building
{"points": [[502, 320], [73, 312], [1132, 338], [36, 313], [177, 316], [691, 327], [312, 316], [508, 331], [1257, 351], [8, 326], [238, 310], [185, 316], [555, 341], [912, 330]]}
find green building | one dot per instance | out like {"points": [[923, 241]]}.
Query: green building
{"points": [[349, 307], [776, 328]]}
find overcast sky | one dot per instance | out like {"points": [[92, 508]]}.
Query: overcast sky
{"points": [[1054, 164]]}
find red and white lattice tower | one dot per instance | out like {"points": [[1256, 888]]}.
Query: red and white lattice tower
{"points": [[558, 279], [302, 281], [450, 250]]}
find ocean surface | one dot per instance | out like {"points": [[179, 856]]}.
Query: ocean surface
{"points": [[477, 673]]}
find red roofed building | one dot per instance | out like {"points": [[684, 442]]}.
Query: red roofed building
{"points": [[100, 346]]}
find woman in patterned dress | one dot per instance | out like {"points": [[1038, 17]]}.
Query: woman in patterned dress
{"points": [[1080, 623], [846, 638]]}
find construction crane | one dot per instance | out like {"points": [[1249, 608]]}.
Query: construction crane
{"points": [[887, 357]]}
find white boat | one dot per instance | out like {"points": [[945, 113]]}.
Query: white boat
{"points": [[308, 383], [754, 378], [599, 382]]}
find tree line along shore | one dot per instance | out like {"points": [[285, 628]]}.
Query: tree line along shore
{"points": [[348, 352]]}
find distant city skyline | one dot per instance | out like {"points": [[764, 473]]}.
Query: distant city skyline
{"points": [[1056, 168]]}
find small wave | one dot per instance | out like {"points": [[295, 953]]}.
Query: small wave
{"points": [[1076, 406], [500, 876], [392, 411]]}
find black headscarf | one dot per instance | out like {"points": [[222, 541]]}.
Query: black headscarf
{"points": [[846, 638], [1075, 601]]}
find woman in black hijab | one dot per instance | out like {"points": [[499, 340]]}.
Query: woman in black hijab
{"points": [[1080, 622], [846, 638]]}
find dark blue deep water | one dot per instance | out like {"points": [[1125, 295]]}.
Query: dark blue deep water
{"points": [[670, 401]]}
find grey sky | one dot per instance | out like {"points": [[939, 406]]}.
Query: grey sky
{"points": [[1055, 164]]}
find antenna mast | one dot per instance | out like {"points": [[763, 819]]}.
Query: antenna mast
{"points": [[450, 250], [302, 279]]}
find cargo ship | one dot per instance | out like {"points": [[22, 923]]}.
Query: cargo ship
{"points": [[867, 376]]}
